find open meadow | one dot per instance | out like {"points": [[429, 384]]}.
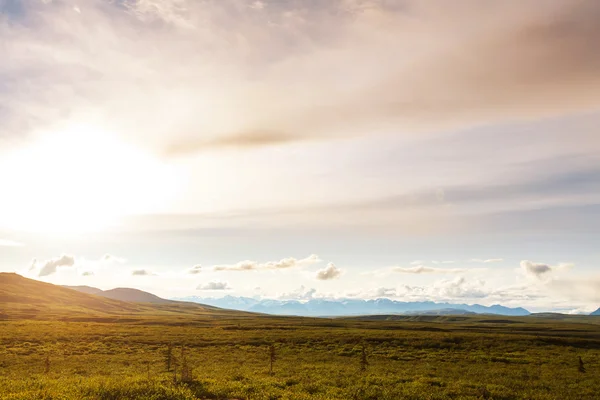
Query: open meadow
{"points": [[435, 357]]}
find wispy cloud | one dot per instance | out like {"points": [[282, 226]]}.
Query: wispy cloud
{"points": [[214, 286], [142, 272], [486, 261], [284, 263], [422, 269], [196, 269]]}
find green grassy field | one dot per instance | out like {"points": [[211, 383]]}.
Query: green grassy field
{"points": [[476, 357]]}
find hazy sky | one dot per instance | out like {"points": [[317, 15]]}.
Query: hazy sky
{"points": [[437, 150]]}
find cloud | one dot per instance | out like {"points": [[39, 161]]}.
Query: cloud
{"points": [[329, 272], [214, 286], [459, 288], [385, 292], [196, 269], [284, 263], [422, 269], [302, 293], [49, 267], [10, 243], [240, 57], [540, 270], [486, 261], [142, 272]]}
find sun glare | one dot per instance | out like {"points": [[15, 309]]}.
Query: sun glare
{"points": [[79, 180]]}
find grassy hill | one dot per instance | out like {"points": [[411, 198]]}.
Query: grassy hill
{"points": [[124, 294], [22, 298], [84, 289]]}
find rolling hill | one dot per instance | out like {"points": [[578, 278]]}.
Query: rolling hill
{"points": [[23, 298], [31, 297], [123, 294], [84, 289]]}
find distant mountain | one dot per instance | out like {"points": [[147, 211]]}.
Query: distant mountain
{"points": [[123, 294], [597, 312], [349, 307]]}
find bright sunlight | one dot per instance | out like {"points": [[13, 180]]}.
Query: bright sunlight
{"points": [[79, 180]]}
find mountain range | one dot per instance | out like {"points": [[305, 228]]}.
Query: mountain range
{"points": [[597, 312], [350, 307]]}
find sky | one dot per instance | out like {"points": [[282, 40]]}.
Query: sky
{"points": [[297, 149]]}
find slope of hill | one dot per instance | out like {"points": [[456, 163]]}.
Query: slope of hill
{"points": [[31, 297], [597, 312], [84, 289], [133, 295], [124, 294], [27, 298], [348, 307]]}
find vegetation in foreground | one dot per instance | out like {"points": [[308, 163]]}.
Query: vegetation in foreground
{"points": [[475, 357]]}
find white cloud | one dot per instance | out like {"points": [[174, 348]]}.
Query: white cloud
{"points": [[329, 272], [50, 267], [302, 293], [214, 286], [91, 267], [270, 265], [385, 292], [196, 269], [422, 269], [542, 271], [142, 272], [486, 261], [459, 288]]}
